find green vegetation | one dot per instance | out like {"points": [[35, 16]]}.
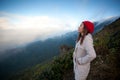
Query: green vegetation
{"points": [[54, 70], [106, 66], [107, 44]]}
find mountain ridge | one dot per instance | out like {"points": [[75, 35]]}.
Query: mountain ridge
{"points": [[106, 66], [27, 59]]}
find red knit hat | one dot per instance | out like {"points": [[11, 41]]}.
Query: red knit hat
{"points": [[89, 25]]}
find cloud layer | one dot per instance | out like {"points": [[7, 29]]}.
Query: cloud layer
{"points": [[17, 29]]}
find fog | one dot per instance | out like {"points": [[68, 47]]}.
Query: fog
{"points": [[16, 30]]}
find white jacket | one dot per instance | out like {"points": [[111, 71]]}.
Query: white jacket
{"points": [[82, 56]]}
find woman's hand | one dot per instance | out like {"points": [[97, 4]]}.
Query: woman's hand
{"points": [[77, 61]]}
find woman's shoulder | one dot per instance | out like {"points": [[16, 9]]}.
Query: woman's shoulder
{"points": [[88, 37]]}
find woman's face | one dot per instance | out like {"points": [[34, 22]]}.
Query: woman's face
{"points": [[81, 28]]}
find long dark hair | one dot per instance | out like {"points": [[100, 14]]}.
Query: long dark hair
{"points": [[85, 32]]}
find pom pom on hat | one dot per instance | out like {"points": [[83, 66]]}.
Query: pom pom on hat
{"points": [[89, 25]]}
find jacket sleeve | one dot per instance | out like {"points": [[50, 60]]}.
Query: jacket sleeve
{"points": [[89, 48]]}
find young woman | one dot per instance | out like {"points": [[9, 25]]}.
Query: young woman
{"points": [[84, 51]]}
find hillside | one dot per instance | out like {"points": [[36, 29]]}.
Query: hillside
{"points": [[19, 58], [105, 67]]}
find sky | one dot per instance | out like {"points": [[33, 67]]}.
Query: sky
{"points": [[23, 21]]}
